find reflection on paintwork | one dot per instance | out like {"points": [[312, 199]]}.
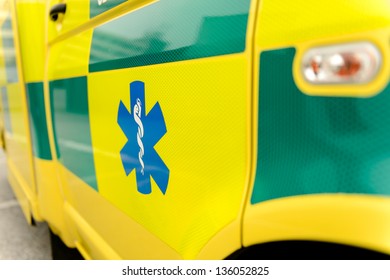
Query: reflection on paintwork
{"points": [[180, 30], [16, 130], [17, 141], [5, 107], [9, 51], [100, 6], [37, 118], [71, 127], [70, 57], [310, 145]]}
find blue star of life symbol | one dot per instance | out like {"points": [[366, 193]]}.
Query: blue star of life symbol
{"points": [[143, 132]]}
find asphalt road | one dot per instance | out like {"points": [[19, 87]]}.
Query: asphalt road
{"points": [[18, 240]]}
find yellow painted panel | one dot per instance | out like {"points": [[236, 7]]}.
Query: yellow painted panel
{"points": [[31, 16], [3, 77], [17, 142], [223, 244], [2, 142], [204, 103], [50, 198], [283, 23], [356, 220], [4, 8], [70, 57], [19, 153], [103, 231], [20, 189]]}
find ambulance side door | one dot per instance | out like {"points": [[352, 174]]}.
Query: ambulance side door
{"points": [[153, 132]]}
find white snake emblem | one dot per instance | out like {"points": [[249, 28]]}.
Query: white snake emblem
{"points": [[140, 133]]}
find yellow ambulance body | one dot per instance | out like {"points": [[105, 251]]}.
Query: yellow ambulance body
{"points": [[191, 129]]}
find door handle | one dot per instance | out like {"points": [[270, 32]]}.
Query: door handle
{"points": [[56, 10]]}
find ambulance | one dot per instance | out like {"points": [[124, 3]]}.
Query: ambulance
{"points": [[199, 129]]}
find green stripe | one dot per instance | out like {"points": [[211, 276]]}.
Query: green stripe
{"points": [[313, 145], [168, 31], [37, 118], [9, 46], [98, 7], [69, 104], [5, 106]]}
